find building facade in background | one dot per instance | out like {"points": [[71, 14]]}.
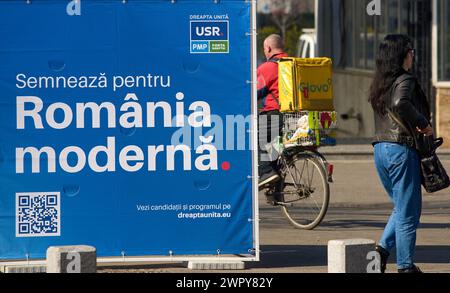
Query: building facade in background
{"points": [[346, 33], [267, 6]]}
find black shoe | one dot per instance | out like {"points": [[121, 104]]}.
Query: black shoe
{"points": [[273, 198], [384, 255], [268, 179], [412, 270], [270, 199]]}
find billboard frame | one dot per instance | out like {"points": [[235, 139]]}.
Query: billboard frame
{"points": [[253, 255]]}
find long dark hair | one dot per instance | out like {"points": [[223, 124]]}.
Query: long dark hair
{"points": [[389, 65]]}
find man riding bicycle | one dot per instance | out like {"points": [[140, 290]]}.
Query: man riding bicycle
{"points": [[270, 120]]}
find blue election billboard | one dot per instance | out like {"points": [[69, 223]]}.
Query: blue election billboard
{"points": [[126, 125]]}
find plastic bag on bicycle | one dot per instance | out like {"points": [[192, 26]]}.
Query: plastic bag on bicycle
{"points": [[310, 128]]}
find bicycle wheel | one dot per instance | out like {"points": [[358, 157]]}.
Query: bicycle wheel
{"points": [[306, 192]]}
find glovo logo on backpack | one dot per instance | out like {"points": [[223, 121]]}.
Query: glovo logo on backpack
{"points": [[306, 88]]}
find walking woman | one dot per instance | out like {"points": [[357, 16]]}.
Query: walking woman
{"points": [[399, 102]]}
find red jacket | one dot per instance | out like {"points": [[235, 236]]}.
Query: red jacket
{"points": [[268, 97]]}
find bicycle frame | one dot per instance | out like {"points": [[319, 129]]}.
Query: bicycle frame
{"points": [[311, 151]]}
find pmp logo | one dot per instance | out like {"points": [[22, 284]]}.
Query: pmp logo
{"points": [[209, 37]]}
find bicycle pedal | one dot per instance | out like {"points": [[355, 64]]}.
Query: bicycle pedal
{"points": [[275, 203]]}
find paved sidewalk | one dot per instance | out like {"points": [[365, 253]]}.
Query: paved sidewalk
{"points": [[359, 208]]}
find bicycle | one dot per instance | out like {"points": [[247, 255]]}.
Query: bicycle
{"points": [[302, 197]]}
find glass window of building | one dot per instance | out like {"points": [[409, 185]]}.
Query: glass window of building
{"points": [[364, 33]]}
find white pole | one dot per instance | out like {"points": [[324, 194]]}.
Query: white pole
{"points": [[254, 130]]}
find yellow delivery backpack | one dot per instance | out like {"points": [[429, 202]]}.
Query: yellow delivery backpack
{"points": [[305, 84]]}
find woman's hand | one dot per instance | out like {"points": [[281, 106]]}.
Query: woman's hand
{"points": [[428, 131]]}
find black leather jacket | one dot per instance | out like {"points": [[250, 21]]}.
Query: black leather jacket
{"points": [[409, 104]]}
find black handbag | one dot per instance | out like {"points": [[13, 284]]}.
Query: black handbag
{"points": [[434, 176]]}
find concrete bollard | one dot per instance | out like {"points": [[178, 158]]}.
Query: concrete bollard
{"points": [[353, 256], [71, 259]]}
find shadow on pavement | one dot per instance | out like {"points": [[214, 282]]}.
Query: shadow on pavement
{"points": [[285, 256], [289, 256], [432, 254]]}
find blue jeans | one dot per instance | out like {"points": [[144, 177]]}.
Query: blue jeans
{"points": [[398, 167]]}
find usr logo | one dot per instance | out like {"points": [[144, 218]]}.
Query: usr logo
{"points": [[209, 30]]}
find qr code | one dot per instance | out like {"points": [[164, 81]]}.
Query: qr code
{"points": [[38, 214]]}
